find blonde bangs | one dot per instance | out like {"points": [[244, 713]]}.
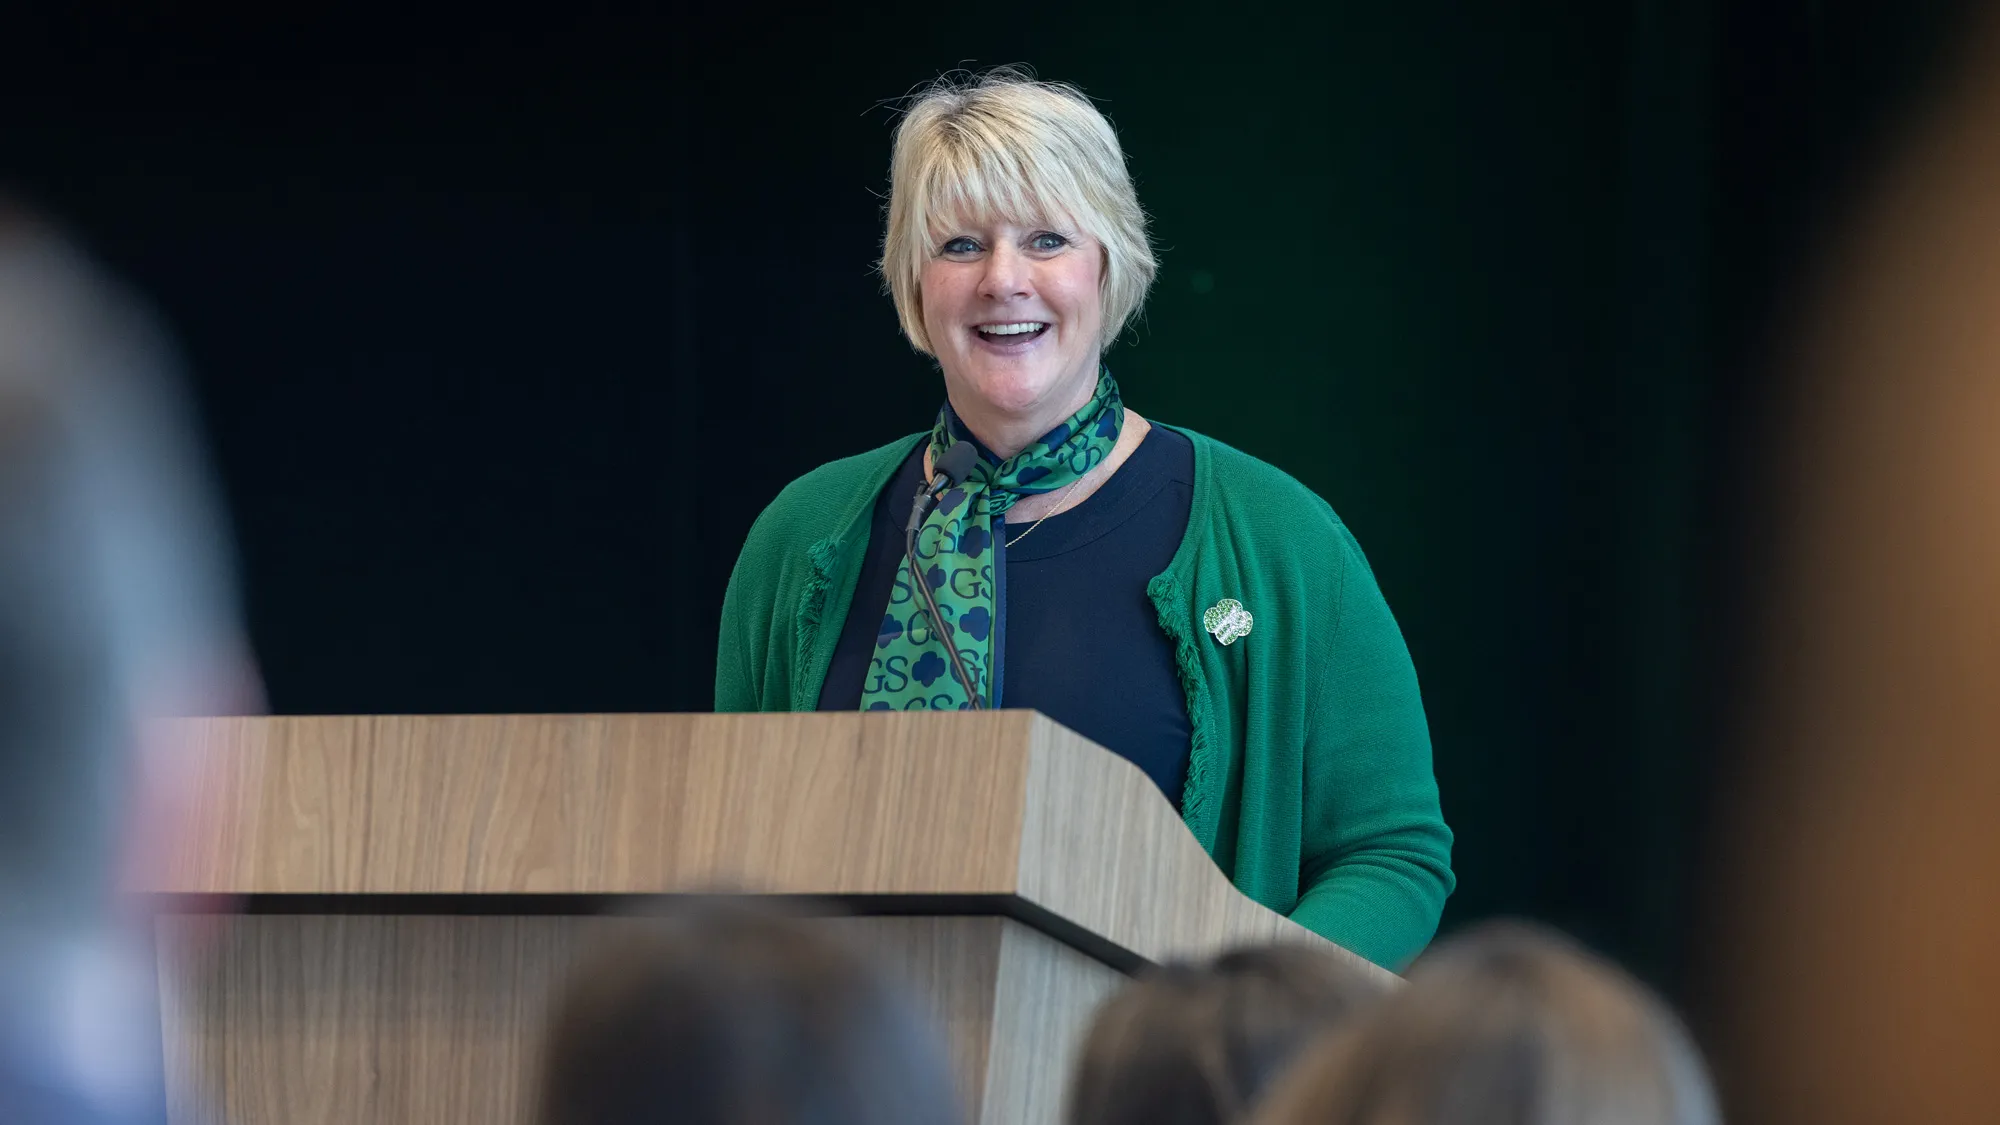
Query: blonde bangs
{"points": [[973, 178]]}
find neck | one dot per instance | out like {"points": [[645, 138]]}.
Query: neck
{"points": [[1006, 432]]}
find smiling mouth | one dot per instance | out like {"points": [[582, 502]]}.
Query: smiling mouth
{"points": [[1012, 334]]}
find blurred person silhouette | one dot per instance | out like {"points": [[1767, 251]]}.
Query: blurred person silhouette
{"points": [[1195, 1044], [115, 605], [1854, 949], [723, 1015], [1507, 1025]]}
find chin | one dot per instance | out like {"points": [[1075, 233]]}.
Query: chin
{"points": [[1012, 384], [1015, 391]]}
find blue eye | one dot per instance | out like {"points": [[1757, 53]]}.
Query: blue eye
{"points": [[960, 245], [1048, 241]]}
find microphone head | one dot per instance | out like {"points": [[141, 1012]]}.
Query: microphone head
{"points": [[955, 462]]}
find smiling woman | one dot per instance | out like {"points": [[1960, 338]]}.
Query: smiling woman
{"points": [[1184, 604]]}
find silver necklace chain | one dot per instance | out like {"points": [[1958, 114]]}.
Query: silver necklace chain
{"points": [[1060, 505]]}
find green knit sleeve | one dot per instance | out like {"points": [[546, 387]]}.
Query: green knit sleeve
{"points": [[766, 611], [1376, 855], [753, 653], [737, 659]]}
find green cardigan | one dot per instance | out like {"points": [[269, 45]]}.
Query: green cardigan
{"points": [[1309, 779]]}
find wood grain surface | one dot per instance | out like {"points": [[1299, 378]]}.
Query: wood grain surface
{"points": [[594, 804], [1101, 847], [1044, 995], [405, 1018], [1001, 803], [401, 1020]]}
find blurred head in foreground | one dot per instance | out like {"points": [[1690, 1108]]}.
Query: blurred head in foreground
{"points": [[1507, 1026], [1196, 1044], [115, 605], [728, 1016]]}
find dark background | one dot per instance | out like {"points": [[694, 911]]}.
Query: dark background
{"points": [[504, 323]]}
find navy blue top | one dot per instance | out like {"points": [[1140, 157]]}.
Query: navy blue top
{"points": [[1078, 638]]}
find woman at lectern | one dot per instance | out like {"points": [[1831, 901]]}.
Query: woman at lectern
{"points": [[1184, 604]]}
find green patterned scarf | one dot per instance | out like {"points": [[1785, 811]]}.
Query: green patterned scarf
{"points": [[956, 552]]}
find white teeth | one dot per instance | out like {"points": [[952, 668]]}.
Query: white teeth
{"points": [[1011, 329]]}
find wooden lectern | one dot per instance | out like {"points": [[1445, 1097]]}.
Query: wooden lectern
{"points": [[367, 925]]}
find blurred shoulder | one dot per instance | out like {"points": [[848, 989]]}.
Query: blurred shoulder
{"points": [[822, 502], [1249, 488], [1274, 526]]}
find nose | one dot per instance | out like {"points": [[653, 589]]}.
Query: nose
{"points": [[1007, 274]]}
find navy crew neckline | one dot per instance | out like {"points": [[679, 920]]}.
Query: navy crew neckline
{"points": [[1078, 638]]}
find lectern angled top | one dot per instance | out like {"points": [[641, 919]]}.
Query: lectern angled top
{"points": [[1002, 811]]}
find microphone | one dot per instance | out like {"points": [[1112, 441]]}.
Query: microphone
{"points": [[950, 468]]}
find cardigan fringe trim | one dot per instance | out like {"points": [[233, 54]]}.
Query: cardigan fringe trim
{"points": [[1171, 604], [821, 558]]}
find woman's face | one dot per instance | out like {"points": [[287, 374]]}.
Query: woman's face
{"points": [[1014, 317]]}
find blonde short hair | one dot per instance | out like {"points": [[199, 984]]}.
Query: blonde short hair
{"points": [[1002, 144]]}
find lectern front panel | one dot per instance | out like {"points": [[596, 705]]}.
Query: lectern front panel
{"points": [[315, 1019]]}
